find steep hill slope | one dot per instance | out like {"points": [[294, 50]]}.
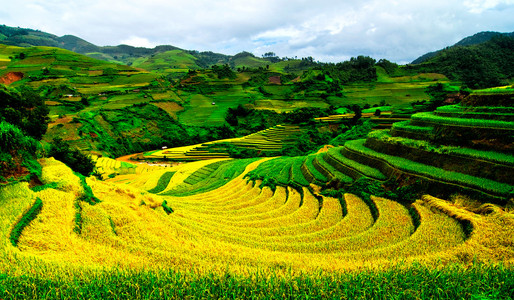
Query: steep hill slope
{"points": [[475, 39], [478, 66]]}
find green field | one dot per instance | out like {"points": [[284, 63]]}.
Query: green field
{"points": [[420, 210]]}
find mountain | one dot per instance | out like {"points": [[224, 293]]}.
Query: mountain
{"points": [[482, 65], [125, 54], [475, 39]]}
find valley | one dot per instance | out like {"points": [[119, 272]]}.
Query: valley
{"points": [[180, 174]]}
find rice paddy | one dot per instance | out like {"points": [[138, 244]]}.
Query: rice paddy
{"points": [[219, 227], [238, 228]]}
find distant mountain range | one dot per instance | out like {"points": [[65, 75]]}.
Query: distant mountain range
{"points": [[481, 60], [475, 39], [125, 54]]}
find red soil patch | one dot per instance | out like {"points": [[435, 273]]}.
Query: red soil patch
{"points": [[275, 80], [11, 77]]}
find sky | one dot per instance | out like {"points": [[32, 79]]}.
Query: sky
{"points": [[327, 30]]}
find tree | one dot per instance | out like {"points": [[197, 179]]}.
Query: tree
{"points": [[223, 71], [388, 66], [438, 93], [17, 151], [25, 109], [74, 159]]}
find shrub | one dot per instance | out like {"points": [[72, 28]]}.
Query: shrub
{"points": [[30, 215], [166, 208], [17, 150], [358, 131], [74, 159], [24, 108]]}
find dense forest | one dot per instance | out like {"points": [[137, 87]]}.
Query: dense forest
{"points": [[477, 66]]}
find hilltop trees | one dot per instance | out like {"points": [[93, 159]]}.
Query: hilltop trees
{"points": [[361, 68], [24, 108], [23, 121], [223, 71], [390, 67], [74, 159], [479, 66]]}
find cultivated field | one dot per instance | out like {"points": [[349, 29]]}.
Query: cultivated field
{"points": [[149, 223]]}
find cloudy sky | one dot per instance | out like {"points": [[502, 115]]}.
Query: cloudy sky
{"points": [[328, 30]]}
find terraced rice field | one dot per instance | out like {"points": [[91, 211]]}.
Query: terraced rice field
{"points": [[271, 139], [238, 222], [208, 219]]}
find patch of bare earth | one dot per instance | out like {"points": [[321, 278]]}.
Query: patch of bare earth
{"points": [[11, 77], [275, 80]]}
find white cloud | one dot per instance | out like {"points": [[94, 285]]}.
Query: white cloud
{"points": [[328, 30], [479, 6], [138, 42]]}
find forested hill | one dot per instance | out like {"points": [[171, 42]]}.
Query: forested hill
{"points": [[124, 54], [478, 66], [475, 39]]}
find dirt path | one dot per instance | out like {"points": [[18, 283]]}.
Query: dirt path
{"points": [[128, 158]]}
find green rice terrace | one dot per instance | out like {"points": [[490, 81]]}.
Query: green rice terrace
{"points": [[254, 178]]}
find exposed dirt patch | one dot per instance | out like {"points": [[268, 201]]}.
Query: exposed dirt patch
{"points": [[275, 80], [11, 77]]}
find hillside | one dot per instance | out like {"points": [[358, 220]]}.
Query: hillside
{"points": [[243, 177], [326, 222], [475, 39], [482, 65], [95, 104], [123, 54]]}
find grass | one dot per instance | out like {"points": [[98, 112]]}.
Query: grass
{"points": [[219, 243], [417, 282], [349, 166], [393, 93], [325, 168], [491, 156], [210, 177], [283, 171], [406, 126], [162, 183], [25, 220], [441, 175], [431, 118], [315, 175]]}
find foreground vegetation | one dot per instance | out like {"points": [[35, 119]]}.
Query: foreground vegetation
{"points": [[418, 282], [222, 242], [291, 192]]}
